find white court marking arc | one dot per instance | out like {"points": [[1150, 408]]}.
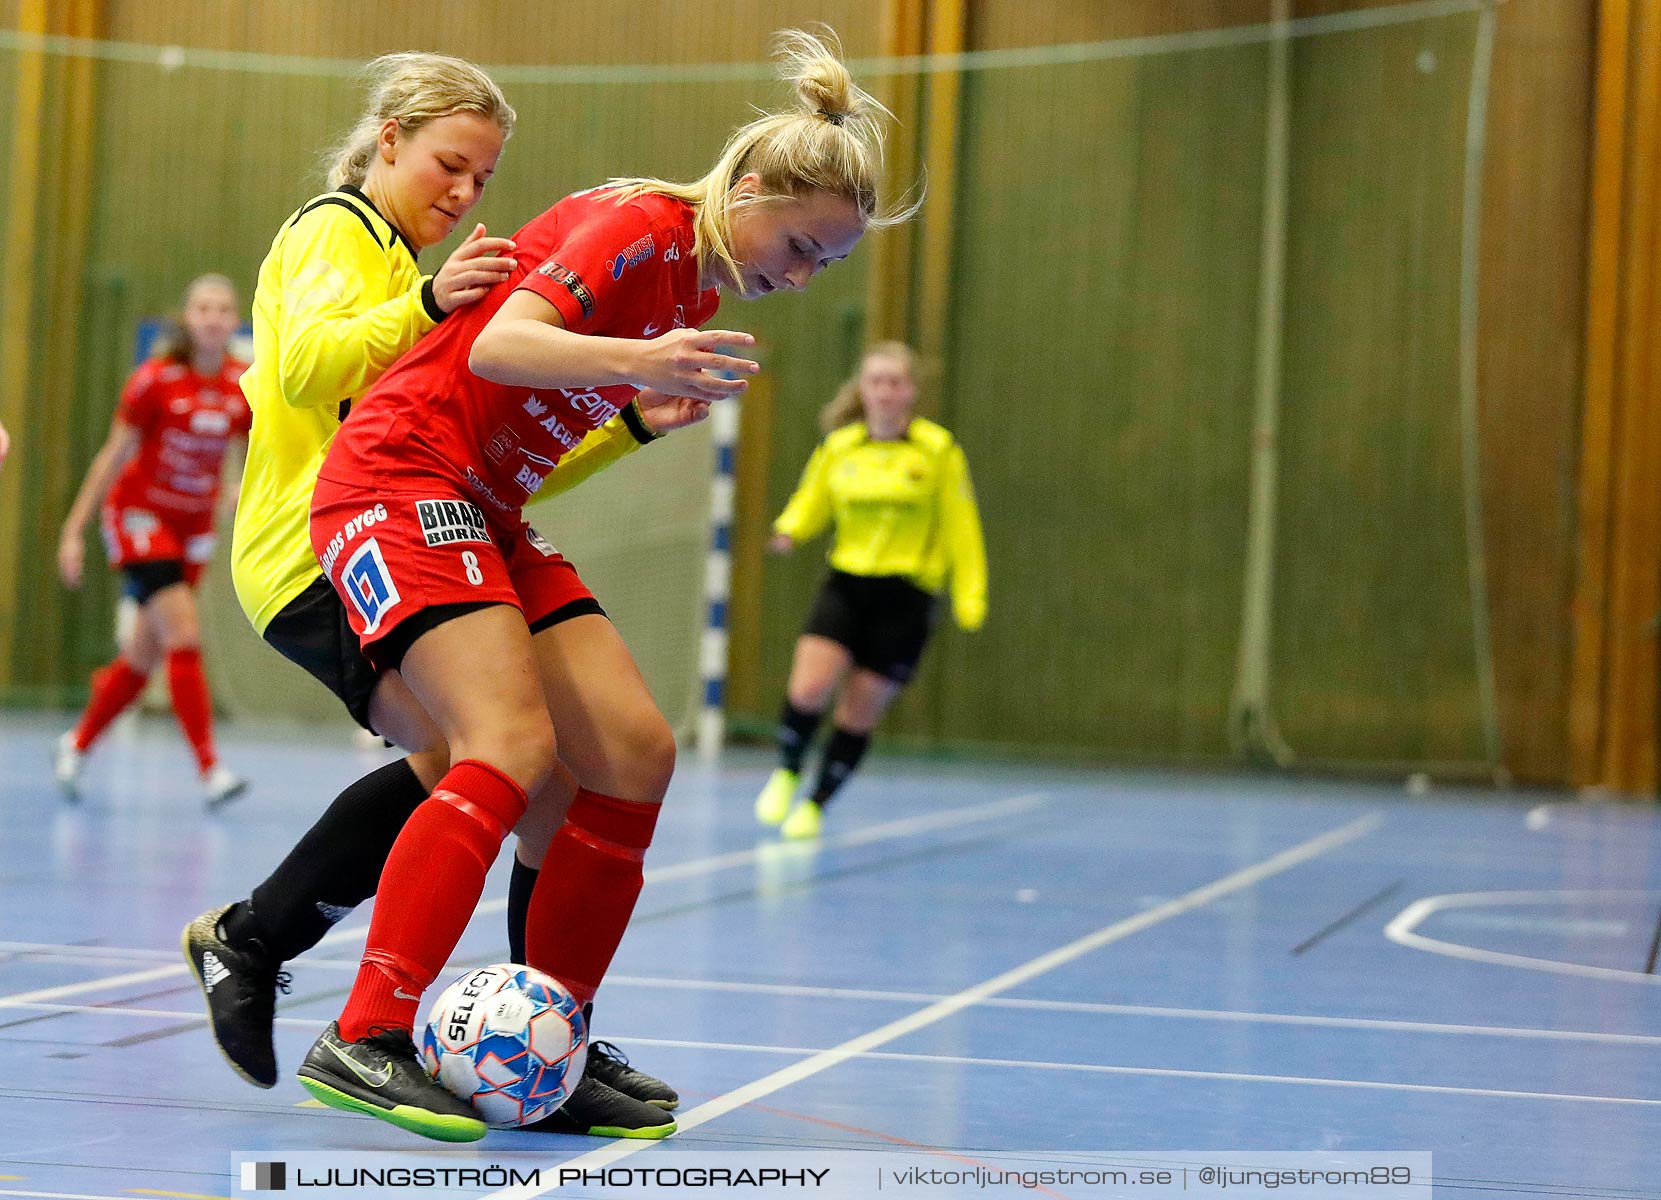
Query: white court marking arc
{"points": [[1402, 932]]}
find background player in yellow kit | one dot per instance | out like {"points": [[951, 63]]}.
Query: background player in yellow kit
{"points": [[897, 488]]}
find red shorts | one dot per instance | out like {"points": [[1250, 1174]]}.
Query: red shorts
{"points": [[135, 535], [392, 555]]}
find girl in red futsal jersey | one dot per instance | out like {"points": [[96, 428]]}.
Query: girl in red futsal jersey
{"points": [[417, 523], [156, 480]]}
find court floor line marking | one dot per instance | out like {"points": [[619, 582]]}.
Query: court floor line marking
{"points": [[1401, 931], [57, 1195], [903, 827], [924, 1017], [958, 1060], [1348, 918], [1246, 1077], [1023, 1064], [1082, 1007]]}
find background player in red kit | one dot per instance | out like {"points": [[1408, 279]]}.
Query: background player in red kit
{"points": [[417, 522], [165, 454]]}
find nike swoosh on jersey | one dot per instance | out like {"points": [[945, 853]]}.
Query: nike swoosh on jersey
{"points": [[373, 1078], [648, 331]]}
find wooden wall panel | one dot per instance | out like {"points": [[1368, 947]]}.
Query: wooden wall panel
{"points": [[1530, 338]]}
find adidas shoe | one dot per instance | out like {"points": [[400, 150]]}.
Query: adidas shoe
{"points": [[602, 1111], [610, 1066], [776, 796], [220, 785], [67, 760], [240, 987], [804, 821], [382, 1077]]}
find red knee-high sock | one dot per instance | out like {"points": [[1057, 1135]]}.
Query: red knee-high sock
{"points": [[585, 894], [192, 704], [114, 687], [429, 887]]}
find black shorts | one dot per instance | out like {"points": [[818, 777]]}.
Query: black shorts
{"points": [[142, 580], [313, 632], [883, 620]]}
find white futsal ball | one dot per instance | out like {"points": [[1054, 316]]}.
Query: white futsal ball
{"points": [[509, 1040]]}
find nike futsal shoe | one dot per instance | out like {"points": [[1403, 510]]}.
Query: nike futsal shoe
{"points": [[610, 1066], [602, 1111], [240, 985], [776, 796], [382, 1077]]}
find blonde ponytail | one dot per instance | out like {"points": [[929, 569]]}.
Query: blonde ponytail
{"points": [[830, 141]]}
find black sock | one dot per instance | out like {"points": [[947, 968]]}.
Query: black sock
{"points": [[520, 886], [335, 866], [796, 730], [842, 755]]}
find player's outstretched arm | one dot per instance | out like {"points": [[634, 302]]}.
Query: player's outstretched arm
{"points": [[526, 344]]}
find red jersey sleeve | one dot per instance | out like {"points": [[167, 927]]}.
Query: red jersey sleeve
{"points": [[586, 275], [140, 399]]}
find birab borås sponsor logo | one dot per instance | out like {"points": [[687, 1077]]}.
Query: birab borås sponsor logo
{"points": [[446, 521]]}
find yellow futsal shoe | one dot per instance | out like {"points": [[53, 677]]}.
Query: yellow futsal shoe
{"points": [[804, 821], [775, 798]]}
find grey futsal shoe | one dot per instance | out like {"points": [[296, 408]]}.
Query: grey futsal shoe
{"points": [[610, 1066], [602, 1111]]}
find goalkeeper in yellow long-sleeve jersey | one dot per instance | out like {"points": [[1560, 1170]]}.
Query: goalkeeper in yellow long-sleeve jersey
{"points": [[897, 489]]}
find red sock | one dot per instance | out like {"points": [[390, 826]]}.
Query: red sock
{"points": [[114, 687], [428, 890], [191, 703], [585, 894]]}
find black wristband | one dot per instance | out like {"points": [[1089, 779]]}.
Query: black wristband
{"points": [[429, 301], [632, 417]]}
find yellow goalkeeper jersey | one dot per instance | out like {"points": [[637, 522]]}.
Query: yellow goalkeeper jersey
{"points": [[904, 507], [339, 299]]}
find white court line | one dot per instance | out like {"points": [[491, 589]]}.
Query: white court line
{"points": [[922, 1018], [960, 1060], [890, 830], [658, 983], [60, 1195], [1368, 1024], [1377, 1024], [1401, 931]]}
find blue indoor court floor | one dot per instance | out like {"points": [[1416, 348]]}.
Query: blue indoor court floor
{"points": [[974, 959]]}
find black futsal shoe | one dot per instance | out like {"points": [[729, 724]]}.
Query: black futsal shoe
{"points": [[602, 1111], [239, 985], [610, 1066], [382, 1077]]}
